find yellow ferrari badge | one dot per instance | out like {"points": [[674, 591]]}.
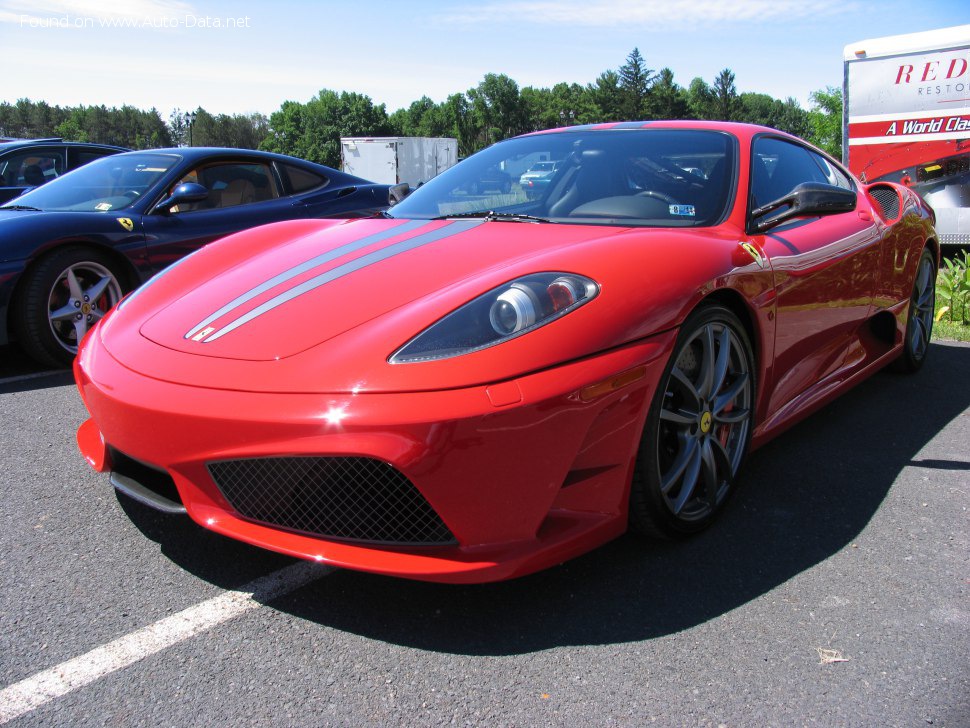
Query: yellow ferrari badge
{"points": [[126, 223], [754, 253]]}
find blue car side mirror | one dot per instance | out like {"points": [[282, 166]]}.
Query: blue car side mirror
{"points": [[183, 194]]}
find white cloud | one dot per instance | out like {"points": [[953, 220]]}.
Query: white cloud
{"points": [[648, 14], [101, 11]]}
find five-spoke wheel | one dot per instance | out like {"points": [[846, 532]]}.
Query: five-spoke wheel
{"points": [[63, 296], [698, 428]]}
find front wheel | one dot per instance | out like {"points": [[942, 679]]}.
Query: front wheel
{"points": [[62, 297], [698, 427]]}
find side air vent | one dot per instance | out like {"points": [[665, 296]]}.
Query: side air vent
{"points": [[885, 200]]}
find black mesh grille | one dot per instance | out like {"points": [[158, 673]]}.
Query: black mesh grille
{"points": [[351, 498], [887, 201]]}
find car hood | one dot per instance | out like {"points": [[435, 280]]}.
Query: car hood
{"points": [[320, 305], [304, 290]]}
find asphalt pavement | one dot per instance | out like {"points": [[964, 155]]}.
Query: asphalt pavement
{"points": [[833, 591]]}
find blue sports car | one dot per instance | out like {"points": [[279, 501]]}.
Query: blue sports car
{"points": [[71, 249]]}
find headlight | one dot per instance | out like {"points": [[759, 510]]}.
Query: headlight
{"points": [[503, 313]]}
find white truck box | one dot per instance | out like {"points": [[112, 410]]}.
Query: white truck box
{"points": [[393, 160]]}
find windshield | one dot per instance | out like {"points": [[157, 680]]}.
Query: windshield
{"points": [[657, 177], [107, 184]]}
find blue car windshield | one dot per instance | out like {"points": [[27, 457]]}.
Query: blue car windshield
{"points": [[104, 185], [650, 177]]}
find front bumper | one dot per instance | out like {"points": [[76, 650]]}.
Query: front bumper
{"points": [[525, 473]]}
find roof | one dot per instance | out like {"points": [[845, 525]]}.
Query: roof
{"points": [[892, 45], [18, 143]]}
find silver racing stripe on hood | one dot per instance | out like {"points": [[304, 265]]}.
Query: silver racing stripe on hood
{"points": [[304, 267], [207, 334]]}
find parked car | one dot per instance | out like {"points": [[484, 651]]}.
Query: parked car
{"points": [[27, 163], [539, 170], [71, 249], [466, 395], [491, 180]]}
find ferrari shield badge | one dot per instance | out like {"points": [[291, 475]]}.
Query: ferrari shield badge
{"points": [[754, 253], [126, 223]]}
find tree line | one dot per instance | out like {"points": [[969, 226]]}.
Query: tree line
{"points": [[495, 109]]}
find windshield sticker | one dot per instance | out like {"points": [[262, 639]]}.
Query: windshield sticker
{"points": [[103, 206], [683, 210]]}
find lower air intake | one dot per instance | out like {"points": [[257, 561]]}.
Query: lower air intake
{"points": [[346, 498]]}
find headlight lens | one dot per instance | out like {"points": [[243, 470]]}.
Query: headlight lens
{"points": [[503, 313]]}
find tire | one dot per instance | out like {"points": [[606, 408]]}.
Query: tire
{"points": [[919, 318], [61, 297], [698, 428]]}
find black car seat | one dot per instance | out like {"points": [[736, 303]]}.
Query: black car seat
{"points": [[33, 176]]}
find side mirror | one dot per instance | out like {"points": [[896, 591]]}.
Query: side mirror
{"points": [[808, 198], [183, 194], [396, 193]]}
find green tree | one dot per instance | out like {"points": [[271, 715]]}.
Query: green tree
{"points": [[608, 96], [667, 99], [497, 107], [700, 100], [635, 82], [726, 106], [313, 130], [825, 120]]}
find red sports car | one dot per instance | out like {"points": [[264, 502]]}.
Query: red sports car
{"points": [[477, 386]]}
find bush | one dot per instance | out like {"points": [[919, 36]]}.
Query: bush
{"points": [[953, 290]]}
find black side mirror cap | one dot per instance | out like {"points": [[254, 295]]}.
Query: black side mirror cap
{"points": [[808, 198], [396, 193]]}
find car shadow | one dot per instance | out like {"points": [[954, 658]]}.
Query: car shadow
{"points": [[18, 373], [804, 497]]}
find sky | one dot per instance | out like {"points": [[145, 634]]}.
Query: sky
{"points": [[242, 57]]}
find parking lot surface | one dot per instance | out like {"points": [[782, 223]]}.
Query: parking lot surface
{"points": [[833, 591]]}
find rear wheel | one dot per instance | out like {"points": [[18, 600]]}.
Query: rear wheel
{"points": [[919, 320], [698, 428], [62, 297]]}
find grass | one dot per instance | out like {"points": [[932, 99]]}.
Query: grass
{"points": [[952, 330], [953, 298]]}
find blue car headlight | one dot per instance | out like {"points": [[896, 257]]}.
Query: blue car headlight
{"points": [[504, 313]]}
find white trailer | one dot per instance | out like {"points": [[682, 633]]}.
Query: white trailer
{"points": [[906, 119], [396, 160]]}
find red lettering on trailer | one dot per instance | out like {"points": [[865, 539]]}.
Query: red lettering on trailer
{"points": [[903, 70]]}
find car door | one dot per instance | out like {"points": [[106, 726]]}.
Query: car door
{"points": [[823, 267], [242, 194]]}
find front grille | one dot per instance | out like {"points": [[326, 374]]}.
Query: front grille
{"points": [[347, 498], [887, 201]]}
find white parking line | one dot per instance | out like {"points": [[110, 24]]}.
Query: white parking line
{"points": [[35, 691]]}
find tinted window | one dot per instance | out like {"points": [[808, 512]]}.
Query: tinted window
{"points": [[32, 167], [778, 166], [79, 157], [301, 179], [230, 184]]}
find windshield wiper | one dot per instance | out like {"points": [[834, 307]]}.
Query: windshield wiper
{"points": [[491, 216], [20, 207]]}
